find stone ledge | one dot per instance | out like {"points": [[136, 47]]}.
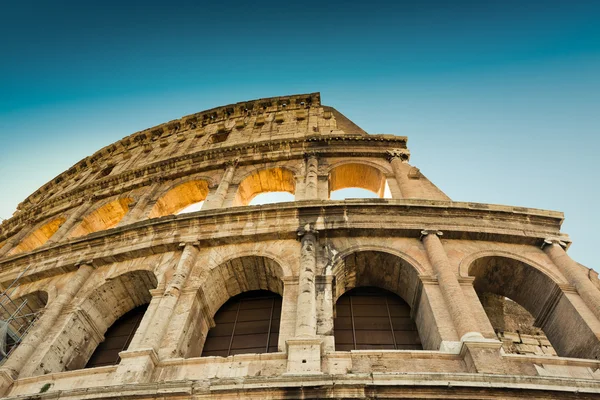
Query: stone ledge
{"points": [[400, 218]]}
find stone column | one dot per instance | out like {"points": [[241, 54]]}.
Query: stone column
{"points": [[576, 275], [464, 323], [140, 209], [10, 370], [312, 177], [306, 320], [397, 159], [304, 351], [218, 198], [15, 239], [163, 313], [138, 362], [73, 220]]}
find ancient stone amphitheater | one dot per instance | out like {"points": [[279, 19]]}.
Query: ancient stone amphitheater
{"points": [[112, 288]]}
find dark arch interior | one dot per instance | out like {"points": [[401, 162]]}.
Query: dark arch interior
{"points": [[246, 323], [373, 318], [117, 338]]}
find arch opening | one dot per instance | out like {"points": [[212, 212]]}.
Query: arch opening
{"points": [[264, 181], [105, 217], [246, 323], [357, 176], [247, 274], [365, 281], [374, 318], [521, 300], [88, 327], [16, 318], [117, 338], [271, 198], [183, 198], [38, 237]]}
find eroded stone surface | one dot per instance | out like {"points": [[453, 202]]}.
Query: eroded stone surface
{"points": [[118, 244]]}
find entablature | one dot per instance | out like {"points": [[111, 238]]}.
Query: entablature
{"points": [[361, 217], [373, 146]]}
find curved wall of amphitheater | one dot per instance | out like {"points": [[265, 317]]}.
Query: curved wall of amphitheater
{"points": [[404, 295]]}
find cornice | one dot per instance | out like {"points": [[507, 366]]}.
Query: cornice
{"points": [[171, 168], [365, 217], [192, 121]]}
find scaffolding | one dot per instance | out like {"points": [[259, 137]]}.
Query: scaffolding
{"points": [[17, 316]]}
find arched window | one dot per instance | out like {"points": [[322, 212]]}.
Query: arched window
{"points": [[38, 237], [180, 199], [117, 338], [17, 316], [247, 323], [357, 181], [373, 318], [539, 306], [266, 180], [105, 217]]}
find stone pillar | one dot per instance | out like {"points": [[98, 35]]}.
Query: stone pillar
{"points": [[163, 313], [576, 275], [304, 351], [306, 320], [137, 364], [397, 159], [218, 198], [312, 177], [73, 220], [10, 370], [464, 323], [140, 209], [325, 310], [15, 239], [287, 325]]}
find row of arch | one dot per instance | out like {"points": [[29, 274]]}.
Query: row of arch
{"points": [[379, 302], [278, 182]]}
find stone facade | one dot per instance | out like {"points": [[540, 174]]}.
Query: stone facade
{"points": [[106, 237]]}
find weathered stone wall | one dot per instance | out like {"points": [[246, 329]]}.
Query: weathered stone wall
{"points": [[120, 244]]}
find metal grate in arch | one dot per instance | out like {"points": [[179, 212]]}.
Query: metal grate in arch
{"points": [[373, 318], [117, 338], [247, 323]]}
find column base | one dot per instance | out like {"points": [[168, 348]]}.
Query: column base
{"points": [[484, 356], [136, 366], [304, 356], [6, 381]]}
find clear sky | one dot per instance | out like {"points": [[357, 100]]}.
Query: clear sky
{"points": [[500, 100]]}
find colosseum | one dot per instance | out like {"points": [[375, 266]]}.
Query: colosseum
{"points": [[146, 272]]}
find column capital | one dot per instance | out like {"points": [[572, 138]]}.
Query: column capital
{"points": [[195, 244], [307, 229], [90, 263], [426, 232], [402, 154], [231, 163], [553, 240], [312, 154]]}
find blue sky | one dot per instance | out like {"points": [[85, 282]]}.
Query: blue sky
{"points": [[500, 100]]}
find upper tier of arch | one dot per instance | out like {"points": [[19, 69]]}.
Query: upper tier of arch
{"points": [[244, 123]]}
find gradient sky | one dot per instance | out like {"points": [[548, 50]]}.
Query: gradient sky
{"points": [[500, 100]]}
